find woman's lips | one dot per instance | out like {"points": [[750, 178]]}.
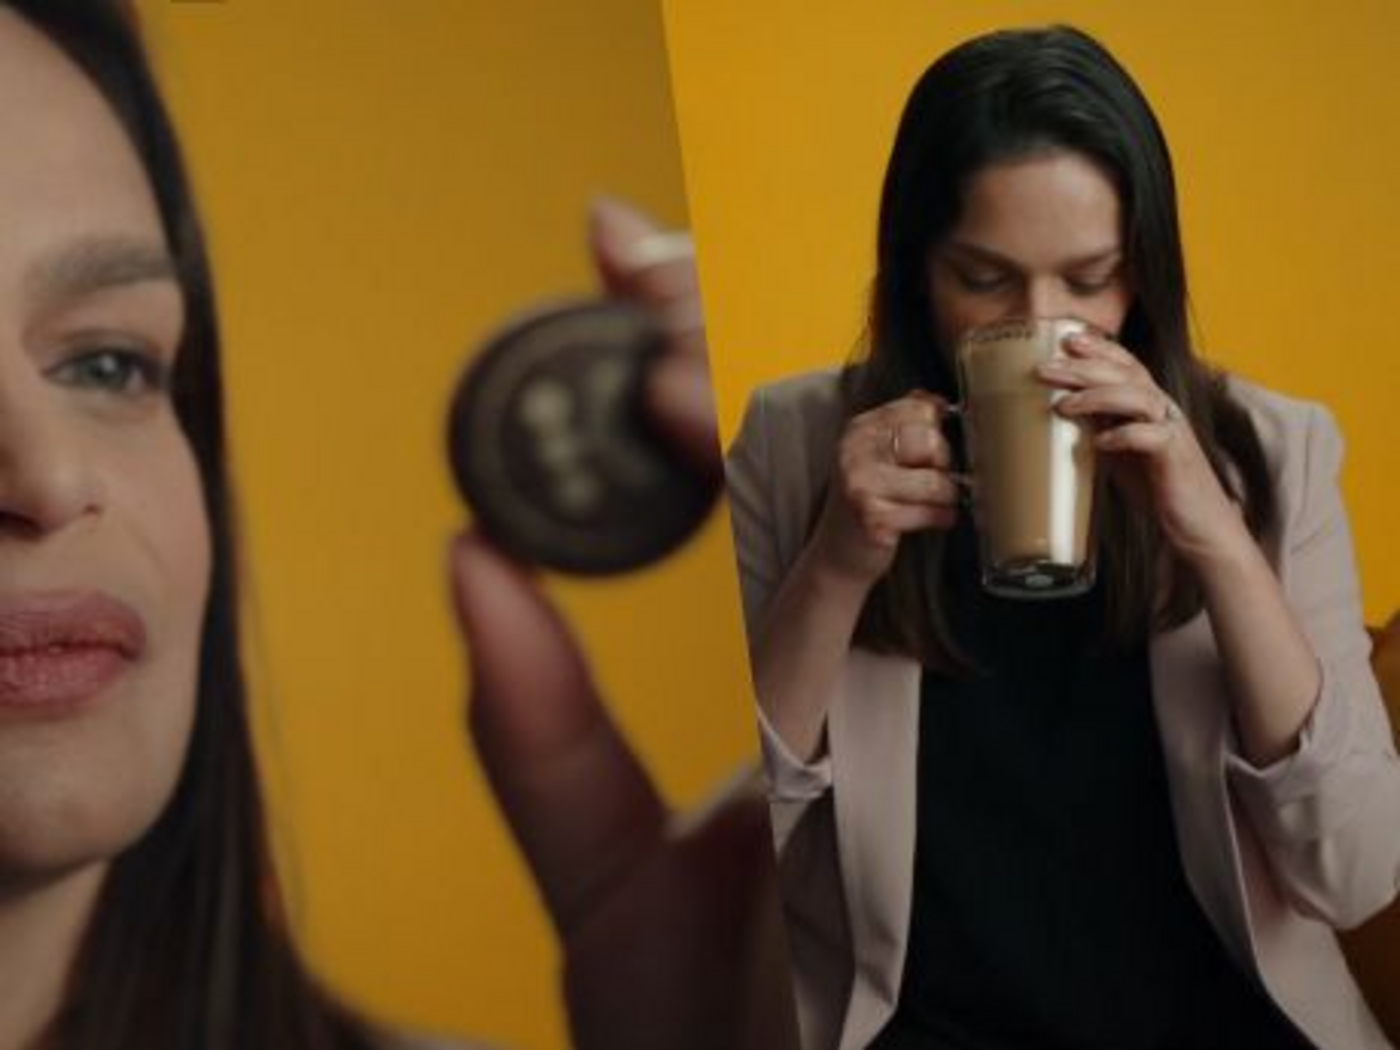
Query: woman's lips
{"points": [[60, 649]]}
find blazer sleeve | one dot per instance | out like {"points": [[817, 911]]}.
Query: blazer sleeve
{"points": [[1329, 814], [758, 521]]}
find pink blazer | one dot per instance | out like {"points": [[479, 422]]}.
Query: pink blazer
{"points": [[1278, 857]]}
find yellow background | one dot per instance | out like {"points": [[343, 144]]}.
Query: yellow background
{"points": [[1281, 118], [382, 183]]}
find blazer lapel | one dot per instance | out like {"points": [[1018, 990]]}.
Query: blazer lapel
{"points": [[874, 727]]}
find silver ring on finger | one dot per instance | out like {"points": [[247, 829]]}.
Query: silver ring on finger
{"points": [[894, 444], [1171, 413]]}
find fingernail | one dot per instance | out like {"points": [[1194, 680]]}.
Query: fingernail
{"points": [[659, 248]]}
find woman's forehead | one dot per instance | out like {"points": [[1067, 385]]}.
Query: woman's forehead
{"points": [[1062, 199], [68, 171]]}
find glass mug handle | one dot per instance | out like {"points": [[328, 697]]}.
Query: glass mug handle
{"points": [[957, 411]]}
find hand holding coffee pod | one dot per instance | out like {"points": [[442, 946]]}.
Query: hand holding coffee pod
{"points": [[583, 435], [665, 924]]}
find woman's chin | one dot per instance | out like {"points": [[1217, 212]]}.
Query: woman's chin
{"points": [[51, 827]]}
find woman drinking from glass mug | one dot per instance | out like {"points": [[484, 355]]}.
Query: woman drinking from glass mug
{"points": [[139, 908], [1132, 818]]}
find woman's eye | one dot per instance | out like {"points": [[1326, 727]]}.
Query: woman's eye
{"points": [[982, 282], [117, 371], [1091, 285]]}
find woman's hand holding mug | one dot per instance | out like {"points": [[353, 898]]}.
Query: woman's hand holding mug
{"points": [[891, 475], [1149, 447]]}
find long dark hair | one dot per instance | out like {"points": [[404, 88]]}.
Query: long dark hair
{"points": [[1001, 97], [189, 947]]}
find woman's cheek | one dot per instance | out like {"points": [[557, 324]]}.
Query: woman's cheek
{"points": [[169, 518]]}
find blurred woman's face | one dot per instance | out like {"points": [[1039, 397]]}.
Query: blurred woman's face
{"points": [[104, 546], [1039, 236]]}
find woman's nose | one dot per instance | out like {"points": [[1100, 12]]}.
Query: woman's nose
{"points": [[1043, 299], [47, 480]]}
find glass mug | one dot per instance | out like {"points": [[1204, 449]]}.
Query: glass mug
{"points": [[1032, 474]]}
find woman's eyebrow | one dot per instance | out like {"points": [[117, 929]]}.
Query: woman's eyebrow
{"points": [[96, 264], [976, 251]]}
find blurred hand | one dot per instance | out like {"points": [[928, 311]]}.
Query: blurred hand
{"points": [[669, 927], [656, 269]]}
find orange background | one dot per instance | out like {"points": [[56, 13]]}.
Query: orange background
{"points": [[1282, 123]]}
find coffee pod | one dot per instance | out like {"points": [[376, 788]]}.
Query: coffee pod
{"points": [[552, 448]]}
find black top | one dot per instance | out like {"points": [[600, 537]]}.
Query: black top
{"points": [[1050, 904]]}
